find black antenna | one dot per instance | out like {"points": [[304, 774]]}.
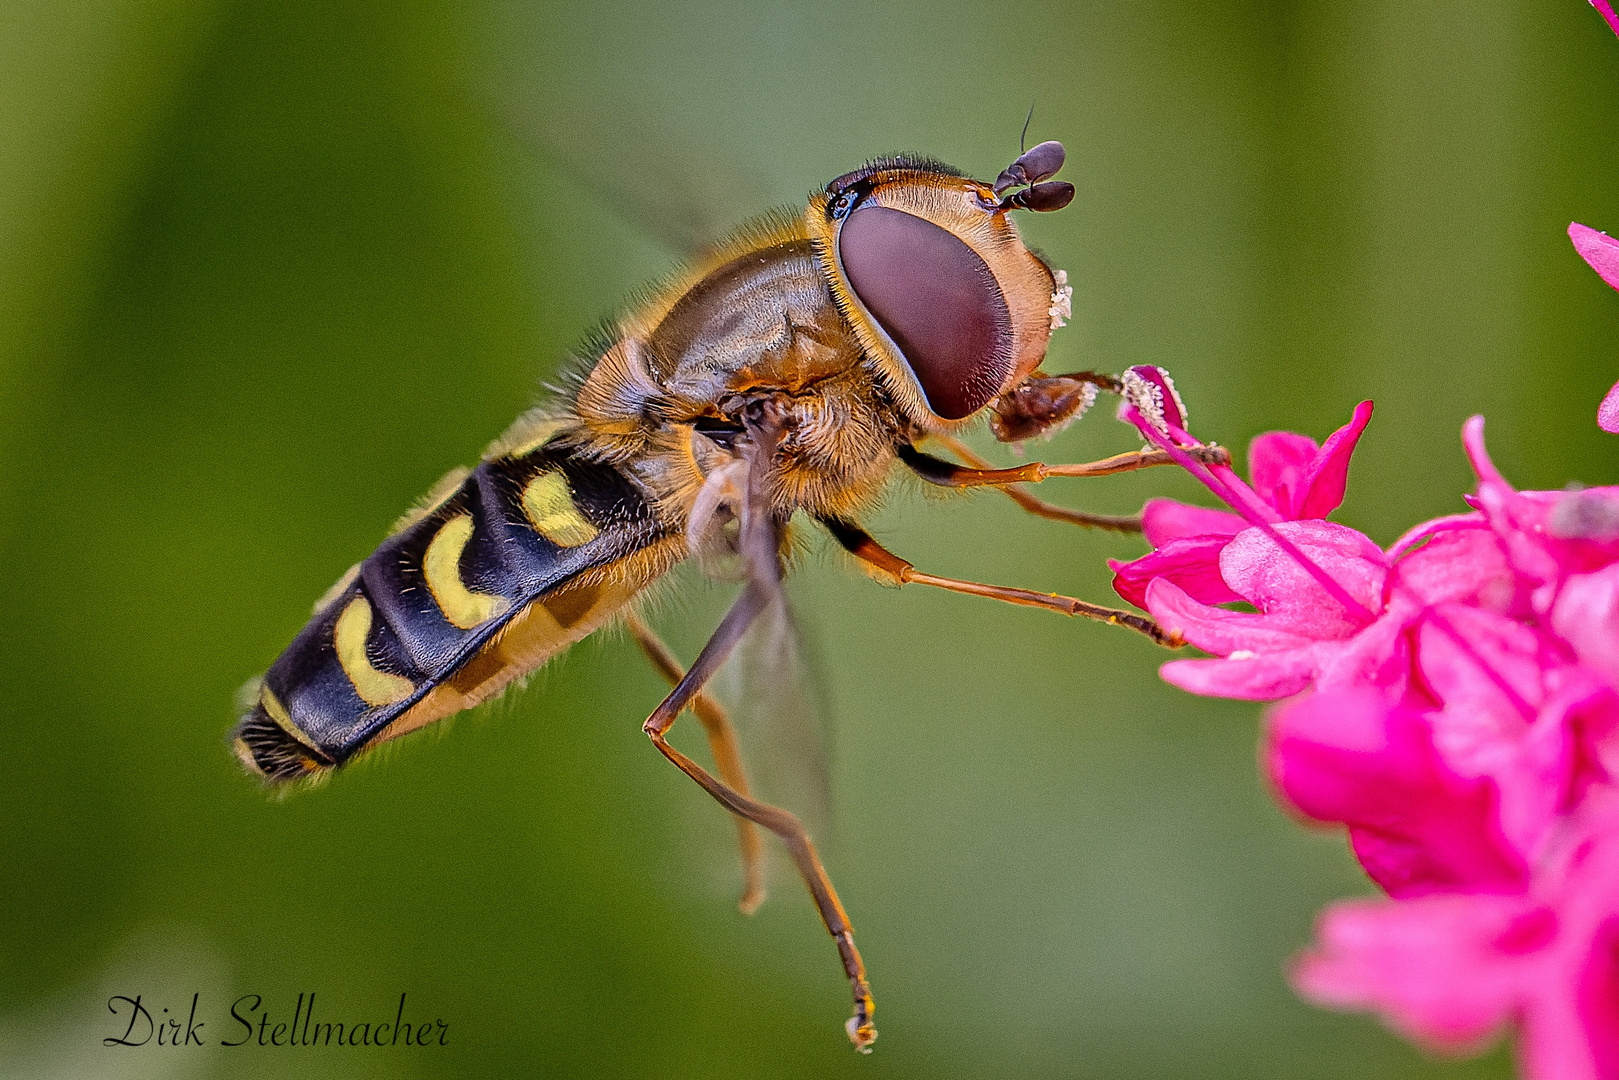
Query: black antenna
{"points": [[1024, 134]]}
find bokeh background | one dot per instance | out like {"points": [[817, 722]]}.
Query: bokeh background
{"points": [[268, 270]]}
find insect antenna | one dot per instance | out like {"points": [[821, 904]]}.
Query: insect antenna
{"points": [[1020, 183]]}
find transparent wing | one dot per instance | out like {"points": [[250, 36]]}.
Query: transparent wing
{"points": [[652, 179], [769, 686], [772, 689]]}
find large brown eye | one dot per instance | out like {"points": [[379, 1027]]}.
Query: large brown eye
{"points": [[938, 301]]}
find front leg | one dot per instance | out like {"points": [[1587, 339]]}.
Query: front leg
{"points": [[1121, 523]]}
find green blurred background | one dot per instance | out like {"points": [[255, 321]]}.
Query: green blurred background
{"points": [[268, 270]]}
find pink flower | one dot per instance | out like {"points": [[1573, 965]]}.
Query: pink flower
{"points": [[1602, 252], [1462, 793], [1291, 475], [1300, 633], [1451, 971], [1415, 824], [1455, 707], [1547, 534]]}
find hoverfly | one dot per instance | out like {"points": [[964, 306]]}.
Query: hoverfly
{"points": [[790, 369]]}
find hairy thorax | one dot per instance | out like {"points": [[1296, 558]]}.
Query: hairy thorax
{"points": [[665, 398]]}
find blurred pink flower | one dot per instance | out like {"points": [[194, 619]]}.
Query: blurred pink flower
{"points": [[1451, 971], [1416, 825], [1602, 252]]}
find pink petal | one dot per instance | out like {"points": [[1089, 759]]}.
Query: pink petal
{"points": [[1584, 716], [1161, 404], [1193, 564], [1164, 520], [1254, 678], [1416, 827], [1483, 665], [1461, 565], [1430, 967], [1277, 463], [1418, 535], [1520, 524], [1601, 251], [1328, 474], [1274, 582], [1216, 630], [1448, 970], [1606, 10], [1571, 1005], [1597, 248], [1519, 519], [1478, 455], [1587, 617], [1597, 999], [1375, 659], [1581, 527]]}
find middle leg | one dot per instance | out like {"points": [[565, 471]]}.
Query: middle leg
{"points": [[948, 474], [859, 543]]}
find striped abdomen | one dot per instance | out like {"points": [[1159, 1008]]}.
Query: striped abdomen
{"points": [[531, 553]]}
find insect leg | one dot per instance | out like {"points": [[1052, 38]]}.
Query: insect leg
{"points": [[748, 606], [1123, 523], [727, 756], [948, 474], [859, 543]]}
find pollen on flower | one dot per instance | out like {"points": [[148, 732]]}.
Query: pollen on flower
{"points": [[1062, 302], [1147, 398], [1145, 388], [1180, 405]]}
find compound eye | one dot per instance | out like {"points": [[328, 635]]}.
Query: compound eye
{"points": [[936, 299]]}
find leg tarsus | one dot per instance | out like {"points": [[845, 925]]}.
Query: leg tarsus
{"points": [[1099, 379]]}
